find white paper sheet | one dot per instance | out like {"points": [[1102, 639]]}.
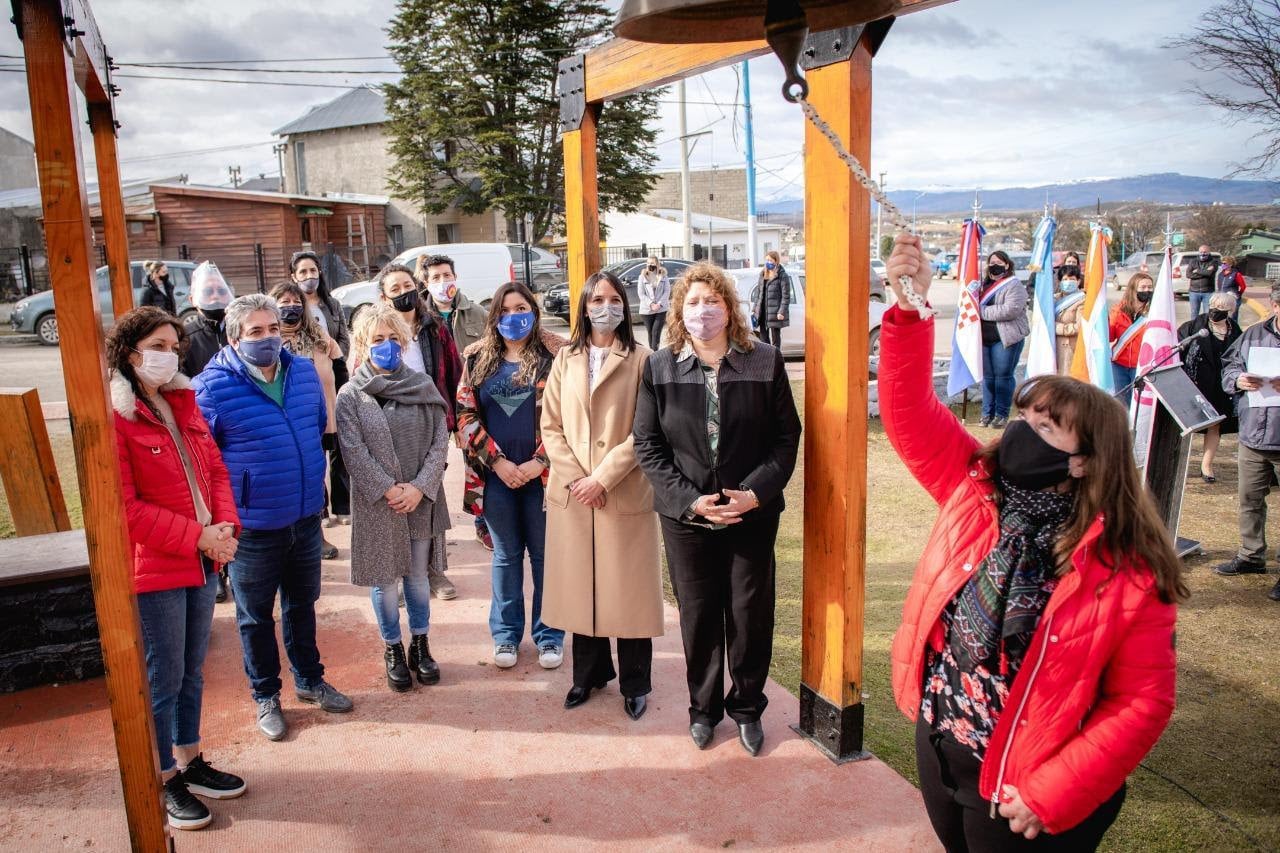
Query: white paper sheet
{"points": [[1264, 362]]}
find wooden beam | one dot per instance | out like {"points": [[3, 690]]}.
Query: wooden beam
{"points": [[581, 205], [837, 232], [622, 67], [27, 467], [115, 230], [52, 88]]}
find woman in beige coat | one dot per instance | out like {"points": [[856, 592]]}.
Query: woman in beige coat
{"points": [[602, 576], [1068, 299]]}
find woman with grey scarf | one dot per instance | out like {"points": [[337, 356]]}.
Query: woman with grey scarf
{"points": [[391, 423]]}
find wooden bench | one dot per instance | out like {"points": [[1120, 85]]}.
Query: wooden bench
{"points": [[48, 626]]}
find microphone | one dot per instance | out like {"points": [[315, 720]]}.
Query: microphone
{"points": [[1188, 341]]}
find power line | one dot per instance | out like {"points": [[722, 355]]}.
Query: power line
{"points": [[186, 67], [171, 154], [213, 80], [187, 62]]}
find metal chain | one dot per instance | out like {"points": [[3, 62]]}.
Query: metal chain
{"points": [[889, 209]]}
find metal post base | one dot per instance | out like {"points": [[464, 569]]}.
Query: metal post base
{"points": [[1186, 547], [835, 731]]}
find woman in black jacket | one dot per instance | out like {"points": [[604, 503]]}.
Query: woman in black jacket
{"points": [[771, 300], [157, 287], [1203, 363], [304, 269], [716, 432]]}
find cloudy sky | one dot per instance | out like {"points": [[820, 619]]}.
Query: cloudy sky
{"points": [[985, 93]]}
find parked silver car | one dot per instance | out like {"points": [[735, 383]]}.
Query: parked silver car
{"points": [[35, 314]]}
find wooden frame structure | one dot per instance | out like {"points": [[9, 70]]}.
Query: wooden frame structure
{"points": [[837, 234], [65, 52]]}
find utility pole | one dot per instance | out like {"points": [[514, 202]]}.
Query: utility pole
{"points": [[234, 171], [685, 200], [752, 236], [879, 218], [278, 150]]}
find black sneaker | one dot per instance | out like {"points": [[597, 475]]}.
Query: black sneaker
{"points": [[204, 780], [221, 595], [1237, 566], [1274, 595], [326, 696], [185, 811]]}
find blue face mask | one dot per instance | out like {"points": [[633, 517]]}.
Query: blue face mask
{"points": [[768, 265], [263, 352], [516, 327], [386, 355], [1069, 285]]}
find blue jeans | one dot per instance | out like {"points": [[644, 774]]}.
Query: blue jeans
{"points": [[417, 597], [518, 524], [175, 636], [285, 561], [1199, 303], [1122, 375], [998, 364]]}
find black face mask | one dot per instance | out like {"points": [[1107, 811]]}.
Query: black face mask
{"points": [[291, 315], [406, 301], [652, 268], [214, 316], [1144, 296], [1217, 315], [997, 270], [1028, 461]]}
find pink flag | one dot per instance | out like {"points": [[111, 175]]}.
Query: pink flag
{"points": [[1158, 337]]}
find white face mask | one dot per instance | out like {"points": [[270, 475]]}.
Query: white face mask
{"points": [[157, 368]]}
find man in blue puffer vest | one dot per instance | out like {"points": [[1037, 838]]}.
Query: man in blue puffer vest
{"points": [[266, 410]]}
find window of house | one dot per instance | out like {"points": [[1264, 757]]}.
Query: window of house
{"points": [[300, 166], [395, 233], [447, 233]]}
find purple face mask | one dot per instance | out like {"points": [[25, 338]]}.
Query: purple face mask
{"points": [[704, 322]]}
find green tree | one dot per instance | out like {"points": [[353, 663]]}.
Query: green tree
{"points": [[474, 120], [1214, 226], [886, 245]]}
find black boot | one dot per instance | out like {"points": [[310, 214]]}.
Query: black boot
{"points": [[421, 662], [398, 677], [221, 595]]}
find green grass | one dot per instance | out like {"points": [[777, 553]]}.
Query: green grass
{"points": [[64, 456], [1223, 744]]}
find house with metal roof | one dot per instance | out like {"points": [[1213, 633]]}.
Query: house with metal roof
{"points": [[342, 147]]}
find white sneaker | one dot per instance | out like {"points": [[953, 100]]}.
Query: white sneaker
{"points": [[504, 655], [550, 656]]}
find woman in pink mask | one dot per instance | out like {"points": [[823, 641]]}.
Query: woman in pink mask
{"points": [[716, 432]]}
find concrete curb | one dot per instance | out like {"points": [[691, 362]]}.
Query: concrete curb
{"points": [[18, 340]]}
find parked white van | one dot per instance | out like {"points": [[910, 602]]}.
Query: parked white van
{"points": [[481, 267]]}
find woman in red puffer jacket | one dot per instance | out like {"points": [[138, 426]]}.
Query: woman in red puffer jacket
{"points": [[182, 524], [1036, 646]]}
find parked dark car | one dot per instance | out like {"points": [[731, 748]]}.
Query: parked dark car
{"points": [[556, 299], [35, 313]]}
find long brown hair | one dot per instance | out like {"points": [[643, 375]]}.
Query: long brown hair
{"points": [[715, 278], [1129, 303], [123, 339], [491, 346], [1132, 530], [308, 336], [581, 337]]}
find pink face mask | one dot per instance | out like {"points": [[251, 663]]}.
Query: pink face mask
{"points": [[704, 322]]}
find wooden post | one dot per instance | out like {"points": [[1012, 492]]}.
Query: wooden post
{"points": [[52, 85], [115, 231], [581, 204], [837, 233], [27, 467]]}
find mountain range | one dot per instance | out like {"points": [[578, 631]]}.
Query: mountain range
{"points": [[1164, 188]]}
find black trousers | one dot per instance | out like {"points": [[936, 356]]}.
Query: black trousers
{"points": [[773, 335], [962, 818], [724, 585], [593, 664], [653, 324], [339, 481]]}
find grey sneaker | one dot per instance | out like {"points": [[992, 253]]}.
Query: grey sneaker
{"points": [[270, 719], [550, 655], [442, 588], [327, 697], [505, 655]]}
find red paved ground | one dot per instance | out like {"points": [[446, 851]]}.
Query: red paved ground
{"points": [[486, 760]]}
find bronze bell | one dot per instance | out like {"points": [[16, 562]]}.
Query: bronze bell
{"points": [[783, 23]]}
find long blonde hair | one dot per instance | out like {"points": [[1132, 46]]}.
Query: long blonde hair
{"points": [[715, 278], [772, 255]]}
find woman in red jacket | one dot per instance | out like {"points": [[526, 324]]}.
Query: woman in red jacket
{"points": [[182, 523], [1036, 645], [1127, 322]]}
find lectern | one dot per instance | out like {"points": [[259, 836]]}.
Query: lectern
{"points": [[1180, 411]]}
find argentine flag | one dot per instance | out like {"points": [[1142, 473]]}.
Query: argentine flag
{"points": [[1093, 357], [1042, 356]]}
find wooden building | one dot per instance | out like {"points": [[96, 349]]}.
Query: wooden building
{"points": [[251, 234]]}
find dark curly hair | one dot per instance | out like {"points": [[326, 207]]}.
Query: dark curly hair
{"points": [[123, 339]]}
